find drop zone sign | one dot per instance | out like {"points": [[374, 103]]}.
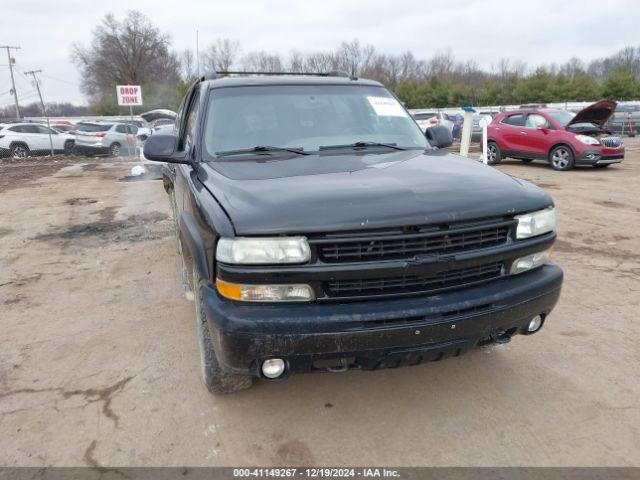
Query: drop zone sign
{"points": [[129, 95]]}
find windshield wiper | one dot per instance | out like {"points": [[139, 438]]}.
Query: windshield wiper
{"points": [[362, 145], [260, 149]]}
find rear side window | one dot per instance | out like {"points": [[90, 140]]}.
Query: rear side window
{"points": [[17, 129], [93, 127], [516, 120]]}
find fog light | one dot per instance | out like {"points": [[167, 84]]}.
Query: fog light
{"points": [[273, 368], [535, 324]]}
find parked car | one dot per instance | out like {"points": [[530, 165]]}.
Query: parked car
{"points": [[556, 136], [21, 140], [112, 138], [431, 119], [160, 122], [321, 230], [626, 120]]}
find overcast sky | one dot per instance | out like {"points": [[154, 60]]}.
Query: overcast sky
{"points": [[537, 31]]}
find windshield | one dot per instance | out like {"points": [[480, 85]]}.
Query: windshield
{"points": [[306, 117], [424, 116], [561, 117]]}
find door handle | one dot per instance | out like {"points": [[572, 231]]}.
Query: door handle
{"points": [[523, 133]]}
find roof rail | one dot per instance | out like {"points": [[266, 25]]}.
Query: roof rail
{"points": [[333, 73]]}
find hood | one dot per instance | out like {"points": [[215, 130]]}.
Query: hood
{"points": [[330, 193], [598, 113]]}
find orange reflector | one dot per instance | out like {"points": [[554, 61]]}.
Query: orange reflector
{"points": [[228, 290]]}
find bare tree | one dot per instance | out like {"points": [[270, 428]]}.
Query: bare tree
{"points": [[131, 51], [222, 55], [188, 67], [262, 62]]}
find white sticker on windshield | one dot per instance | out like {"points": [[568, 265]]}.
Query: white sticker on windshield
{"points": [[387, 107]]}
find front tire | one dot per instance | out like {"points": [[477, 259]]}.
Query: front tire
{"points": [[561, 158], [215, 379], [494, 154]]}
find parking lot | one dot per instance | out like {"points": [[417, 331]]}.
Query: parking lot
{"points": [[99, 363]]}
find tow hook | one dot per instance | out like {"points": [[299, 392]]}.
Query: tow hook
{"points": [[344, 366], [500, 336]]}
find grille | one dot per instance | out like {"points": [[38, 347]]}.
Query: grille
{"points": [[611, 142], [413, 283], [408, 245]]}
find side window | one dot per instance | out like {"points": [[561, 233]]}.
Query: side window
{"points": [[17, 129], [515, 120], [121, 128], [132, 129], [45, 130], [190, 121], [30, 129], [535, 120]]}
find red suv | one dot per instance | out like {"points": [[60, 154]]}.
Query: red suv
{"points": [[560, 137]]}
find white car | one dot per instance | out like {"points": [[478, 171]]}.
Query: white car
{"points": [[21, 140], [427, 118]]}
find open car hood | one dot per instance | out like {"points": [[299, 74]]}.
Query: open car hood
{"points": [[597, 113], [152, 115]]}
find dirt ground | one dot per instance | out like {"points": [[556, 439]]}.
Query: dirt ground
{"points": [[99, 363]]}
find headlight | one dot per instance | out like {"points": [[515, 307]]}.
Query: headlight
{"points": [[536, 223], [529, 262], [258, 251], [586, 139], [265, 293]]}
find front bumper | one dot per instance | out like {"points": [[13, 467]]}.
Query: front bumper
{"points": [[377, 334], [600, 157]]}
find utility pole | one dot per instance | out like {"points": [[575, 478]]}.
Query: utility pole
{"points": [[44, 109], [13, 82]]}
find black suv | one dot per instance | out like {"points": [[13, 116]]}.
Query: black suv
{"points": [[321, 230]]}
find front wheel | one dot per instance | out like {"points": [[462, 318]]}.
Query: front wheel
{"points": [[494, 155], [561, 158], [215, 379]]}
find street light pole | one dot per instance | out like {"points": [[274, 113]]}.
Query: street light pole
{"points": [[44, 109], [13, 82]]}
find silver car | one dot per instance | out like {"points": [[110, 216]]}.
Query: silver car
{"points": [[111, 138]]}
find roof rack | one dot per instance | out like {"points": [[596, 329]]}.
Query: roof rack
{"points": [[333, 73]]}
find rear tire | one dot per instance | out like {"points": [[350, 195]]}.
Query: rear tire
{"points": [[561, 158], [68, 147], [114, 150], [494, 154], [215, 379], [20, 150]]}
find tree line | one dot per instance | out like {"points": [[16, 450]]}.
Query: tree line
{"points": [[133, 50]]}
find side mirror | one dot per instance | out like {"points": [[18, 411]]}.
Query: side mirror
{"points": [[542, 127], [161, 148], [439, 136]]}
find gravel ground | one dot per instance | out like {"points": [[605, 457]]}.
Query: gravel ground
{"points": [[99, 363]]}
